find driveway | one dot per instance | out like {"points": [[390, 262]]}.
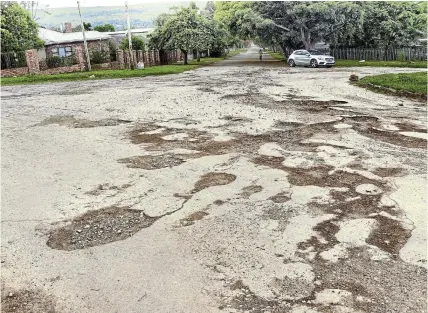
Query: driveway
{"points": [[244, 186]]}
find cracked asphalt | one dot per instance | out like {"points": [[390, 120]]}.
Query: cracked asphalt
{"points": [[243, 186]]}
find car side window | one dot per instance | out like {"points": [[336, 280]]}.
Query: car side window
{"points": [[298, 53]]}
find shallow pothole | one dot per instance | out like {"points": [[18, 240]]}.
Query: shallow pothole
{"points": [[153, 162], [72, 122], [192, 218], [26, 301], [99, 227], [249, 190], [213, 179]]}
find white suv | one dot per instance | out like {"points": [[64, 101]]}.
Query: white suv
{"points": [[312, 58]]}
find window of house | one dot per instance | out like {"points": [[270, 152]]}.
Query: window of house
{"points": [[62, 51]]}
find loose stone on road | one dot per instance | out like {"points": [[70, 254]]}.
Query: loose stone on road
{"points": [[243, 186]]}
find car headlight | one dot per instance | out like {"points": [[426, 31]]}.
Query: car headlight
{"points": [[321, 58]]}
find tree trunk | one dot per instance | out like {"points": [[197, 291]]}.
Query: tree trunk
{"points": [[185, 57], [198, 56]]}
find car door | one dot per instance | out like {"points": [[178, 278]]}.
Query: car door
{"points": [[305, 58], [298, 57]]}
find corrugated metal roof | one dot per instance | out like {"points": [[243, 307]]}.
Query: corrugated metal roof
{"points": [[52, 37], [133, 31]]}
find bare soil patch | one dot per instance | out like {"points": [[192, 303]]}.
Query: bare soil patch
{"points": [[99, 227], [213, 179], [27, 301], [72, 122]]}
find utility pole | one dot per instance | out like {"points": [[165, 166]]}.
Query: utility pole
{"points": [[131, 57], [84, 38]]}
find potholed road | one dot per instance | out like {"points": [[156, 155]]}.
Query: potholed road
{"points": [[245, 186]]}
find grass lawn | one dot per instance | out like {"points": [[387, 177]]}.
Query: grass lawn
{"points": [[351, 63], [107, 74], [409, 82], [276, 55]]}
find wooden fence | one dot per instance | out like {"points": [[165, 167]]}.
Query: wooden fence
{"points": [[400, 54]]}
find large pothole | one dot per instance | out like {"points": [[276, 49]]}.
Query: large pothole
{"points": [[99, 227]]}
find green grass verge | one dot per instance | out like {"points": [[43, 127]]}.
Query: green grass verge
{"points": [[352, 63], [108, 74], [276, 55], [407, 82]]}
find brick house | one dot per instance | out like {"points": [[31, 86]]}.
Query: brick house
{"points": [[64, 44]]}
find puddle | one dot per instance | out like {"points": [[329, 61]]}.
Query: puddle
{"points": [[192, 218], [26, 301], [213, 179], [72, 122], [99, 227]]}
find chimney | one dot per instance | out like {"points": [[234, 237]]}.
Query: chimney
{"points": [[67, 27]]}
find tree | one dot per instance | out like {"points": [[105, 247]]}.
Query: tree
{"points": [[104, 28], [18, 29], [186, 30], [78, 28], [137, 43], [390, 24], [310, 22]]}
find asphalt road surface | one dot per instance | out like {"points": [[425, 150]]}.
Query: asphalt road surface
{"points": [[245, 186]]}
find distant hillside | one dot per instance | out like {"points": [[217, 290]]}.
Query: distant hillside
{"points": [[141, 15]]}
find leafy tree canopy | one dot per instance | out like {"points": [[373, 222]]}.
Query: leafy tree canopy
{"points": [[18, 30], [187, 29], [104, 28], [137, 43]]}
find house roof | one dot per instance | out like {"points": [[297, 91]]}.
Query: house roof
{"points": [[133, 31], [51, 37]]}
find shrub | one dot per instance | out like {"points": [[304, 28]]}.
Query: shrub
{"points": [[99, 56], [401, 57], [54, 61], [137, 43]]}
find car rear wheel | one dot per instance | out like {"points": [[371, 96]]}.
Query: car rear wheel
{"points": [[291, 63], [314, 63]]}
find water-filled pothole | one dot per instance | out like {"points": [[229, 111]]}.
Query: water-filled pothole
{"points": [[99, 227]]}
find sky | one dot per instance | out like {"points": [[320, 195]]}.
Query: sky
{"points": [[95, 3]]}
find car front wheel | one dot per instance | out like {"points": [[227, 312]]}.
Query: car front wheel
{"points": [[314, 63], [291, 63]]}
